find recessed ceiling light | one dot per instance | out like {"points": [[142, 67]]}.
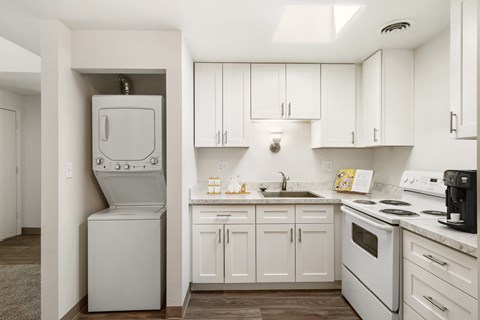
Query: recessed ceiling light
{"points": [[313, 23]]}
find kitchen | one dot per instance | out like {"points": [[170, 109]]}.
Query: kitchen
{"points": [[95, 50]]}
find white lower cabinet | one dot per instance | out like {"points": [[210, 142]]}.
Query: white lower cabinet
{"points": [[276, 253], [207, 253], [314, 253], [239, 253], [438, 282], [223, 253]]}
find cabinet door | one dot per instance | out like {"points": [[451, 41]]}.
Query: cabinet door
{"points": [[303, 91], [276, 253], [207, 253], [208, 104], [372, 99], [240, 253], [268, 91], [236, 105], [464, 67], [315, 252], [337, 126]]}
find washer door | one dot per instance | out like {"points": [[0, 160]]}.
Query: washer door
{"points": [[126, 134]]}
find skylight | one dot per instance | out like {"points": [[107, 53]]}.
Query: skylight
{"points": [[313, 23]]}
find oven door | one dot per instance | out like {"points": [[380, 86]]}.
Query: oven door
{"points": [[370, 251]]}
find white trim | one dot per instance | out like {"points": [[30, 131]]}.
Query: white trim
{"points": [[18, 114], [266, 286]]}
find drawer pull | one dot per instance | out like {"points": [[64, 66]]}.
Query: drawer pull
{"points": [[435, 303], [223, 215], [432, 258]]}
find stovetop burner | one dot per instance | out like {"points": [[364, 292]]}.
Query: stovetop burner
{"points": [[399, 212], [395, 202], [434, 212], [364, 201]]}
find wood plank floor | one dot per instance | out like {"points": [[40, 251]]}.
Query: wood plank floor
{"points": [[24, 249], [253, 305]]}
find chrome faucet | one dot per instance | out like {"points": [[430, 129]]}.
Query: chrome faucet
{"points": [[284, 180]]}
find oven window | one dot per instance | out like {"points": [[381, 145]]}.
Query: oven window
{"points": [[365, 239]]}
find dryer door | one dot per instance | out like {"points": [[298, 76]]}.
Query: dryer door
{"points": [[126, 134]]}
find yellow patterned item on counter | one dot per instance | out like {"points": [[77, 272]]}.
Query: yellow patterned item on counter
{"points": [[344, 180]]}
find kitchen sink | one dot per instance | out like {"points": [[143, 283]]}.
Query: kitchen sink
{"points": [[289, 194]]}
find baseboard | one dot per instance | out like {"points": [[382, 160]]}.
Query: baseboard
{"points": [[73, 313], [179, 312], [334, 285], [31, 231]]}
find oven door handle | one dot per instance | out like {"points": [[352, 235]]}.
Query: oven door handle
{"points": [[383, 227]]}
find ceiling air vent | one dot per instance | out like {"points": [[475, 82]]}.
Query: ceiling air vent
{"points": [[396, 26]]}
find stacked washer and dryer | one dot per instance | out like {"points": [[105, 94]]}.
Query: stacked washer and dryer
{"points": [[126, 242]]}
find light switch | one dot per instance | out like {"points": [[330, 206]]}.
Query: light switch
{"points": [[68, 170]]}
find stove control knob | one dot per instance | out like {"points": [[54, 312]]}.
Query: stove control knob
{"points": [[154, 160], [126, 167], [117, 167], [99, 161]]}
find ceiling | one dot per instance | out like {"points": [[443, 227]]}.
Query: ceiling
{"points": [[231, 30]]}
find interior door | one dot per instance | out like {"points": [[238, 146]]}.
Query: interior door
{"points": [[126, 134], [8, 174]]}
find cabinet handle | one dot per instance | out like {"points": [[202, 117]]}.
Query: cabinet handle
{"points": [[225, 135], [435, 303], [375, 135], [219, 235], [432, 258], [300, 235], [218, 137], [223, 215], [289, 109], [283, 109], [228, 236], [452, 130], [291, 235], [353, 137]]}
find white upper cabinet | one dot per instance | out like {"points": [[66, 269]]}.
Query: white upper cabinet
{"points": [[303, 91], [289, 91], [386, 114], [222, 105], [208, 104], [268, 91], [463, 68], [336, 129]]}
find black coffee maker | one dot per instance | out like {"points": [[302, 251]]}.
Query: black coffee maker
{"points": [[461, 198]]}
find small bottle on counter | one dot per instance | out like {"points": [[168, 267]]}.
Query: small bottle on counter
{"points": [[211, 185], [217, 185]]}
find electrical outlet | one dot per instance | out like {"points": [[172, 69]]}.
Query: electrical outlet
{"points": [[221, 166], [327, 166]]}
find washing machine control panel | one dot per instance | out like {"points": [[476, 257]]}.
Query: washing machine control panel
{"points": [[101, 163]]}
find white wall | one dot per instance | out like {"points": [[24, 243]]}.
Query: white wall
{"points": [[66, 203], [30, 161], [17, 59], [295, 158], [434, 148]]}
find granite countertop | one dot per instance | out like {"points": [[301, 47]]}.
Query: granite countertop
{"points": [[198, 194], [432, 229]]}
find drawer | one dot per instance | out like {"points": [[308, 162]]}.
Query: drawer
{"points": [[275, 214], [433, 298], [222, 214], [313, 214], [410, 314], [446, 263]]}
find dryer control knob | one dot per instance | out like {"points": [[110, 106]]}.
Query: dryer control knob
{"points": [[154, 160], [99, 161], [117, 167], [126, 167]]}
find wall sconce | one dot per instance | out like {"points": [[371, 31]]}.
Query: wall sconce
{"points": [[276, 138]]}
